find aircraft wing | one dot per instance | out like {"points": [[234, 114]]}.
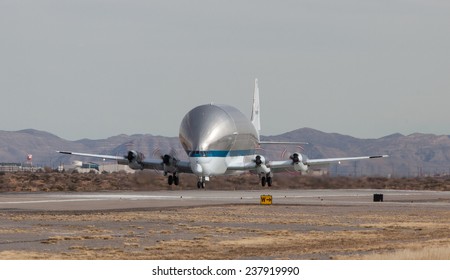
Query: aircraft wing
{"points": [[302, 164], [316, 162], [93, 155], [332, 160], [135, 162]]}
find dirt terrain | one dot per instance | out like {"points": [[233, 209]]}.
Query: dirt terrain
{"points": [[398, 230], [150, 180], [226, 232]]}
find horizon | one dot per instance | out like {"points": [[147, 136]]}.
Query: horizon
{"points": [[262, 135]]}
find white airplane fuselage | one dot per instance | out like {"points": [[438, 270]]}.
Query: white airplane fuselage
{"points": [[217, 136]]}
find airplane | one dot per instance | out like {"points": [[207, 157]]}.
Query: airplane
{"points": [[221, 140]]}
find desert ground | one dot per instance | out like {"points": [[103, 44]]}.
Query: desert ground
{"points": [[410, 228]]}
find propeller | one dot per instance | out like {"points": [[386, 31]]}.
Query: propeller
{"points": [[296, 159], [133, 156], [287, 155], [259, 160], [168, 159]]}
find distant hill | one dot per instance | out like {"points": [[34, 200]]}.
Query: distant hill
{"points": [[411, 155]]}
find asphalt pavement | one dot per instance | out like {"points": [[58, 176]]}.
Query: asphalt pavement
{"points": [[161, 199]]}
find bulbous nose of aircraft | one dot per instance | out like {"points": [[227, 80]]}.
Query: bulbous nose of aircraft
{"points": [[207, 127]]}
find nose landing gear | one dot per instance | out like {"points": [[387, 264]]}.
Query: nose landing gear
{"points": [[202, 182]]}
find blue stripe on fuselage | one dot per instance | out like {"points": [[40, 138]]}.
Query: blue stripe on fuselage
{"points": [[233, 153]]}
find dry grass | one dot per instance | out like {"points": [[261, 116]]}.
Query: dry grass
{"points": [[418, 253], [230, 232], [151, 180]]}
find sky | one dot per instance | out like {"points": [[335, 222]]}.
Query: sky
{"points": [[99, 68]]}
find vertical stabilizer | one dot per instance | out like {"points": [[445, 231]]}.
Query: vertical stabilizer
{"points": [[255, 110]]}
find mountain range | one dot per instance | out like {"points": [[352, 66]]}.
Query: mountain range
{"points": [[410, 155]]}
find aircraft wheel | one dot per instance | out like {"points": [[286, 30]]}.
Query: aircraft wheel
{"points": [[199, 185], [269, 181], [176, 180], [263, 181], [170, 180]]}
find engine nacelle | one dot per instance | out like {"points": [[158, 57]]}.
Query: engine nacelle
{"points": [[135, 159], [168, 160], [298, 160], [260, 163], [169, 163], [259, 160]]}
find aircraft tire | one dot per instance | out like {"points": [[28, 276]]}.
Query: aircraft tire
{"points": [[269, 181], [263, 181], [170, 180]]}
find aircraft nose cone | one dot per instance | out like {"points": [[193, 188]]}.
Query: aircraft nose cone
{"points": [[201, 166]]}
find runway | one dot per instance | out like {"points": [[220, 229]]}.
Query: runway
{"points": [[160, 199]]}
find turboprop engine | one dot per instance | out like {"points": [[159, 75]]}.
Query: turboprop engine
{"points": [[260, 163], [135, 159], [262, 170], [169, 164], [299, 162], [259, 160]]}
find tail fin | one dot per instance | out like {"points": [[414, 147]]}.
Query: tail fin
{"points": [[255, 110]]}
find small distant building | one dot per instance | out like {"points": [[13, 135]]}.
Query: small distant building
{"points": [[319, 172], [17, 167], [114, 167], [86, 167], [90, 165], [10, 166]]}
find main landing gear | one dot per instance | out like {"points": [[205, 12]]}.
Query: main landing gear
{"points": [[173, 179], [266, 179]]}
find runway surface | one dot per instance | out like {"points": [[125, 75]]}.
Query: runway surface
{"points": [[160, 199]]}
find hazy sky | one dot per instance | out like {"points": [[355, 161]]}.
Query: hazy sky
{"points": [[98, 68]]}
